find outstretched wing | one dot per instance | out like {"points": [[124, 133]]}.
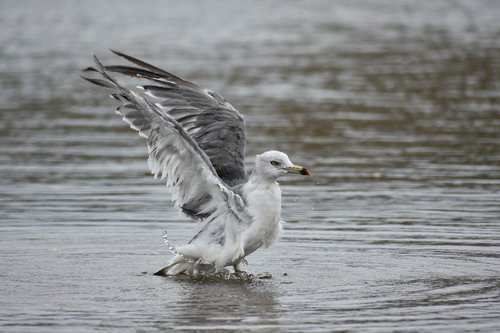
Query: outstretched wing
{"points": [[212, 122], [173, 153]]}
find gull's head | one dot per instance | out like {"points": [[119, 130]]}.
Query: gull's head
{"points": [[273, 164]]}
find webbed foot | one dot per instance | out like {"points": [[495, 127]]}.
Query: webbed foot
{"points": [[238, 271]]}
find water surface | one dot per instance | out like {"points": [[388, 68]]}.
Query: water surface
{"points": [[393, 106]]}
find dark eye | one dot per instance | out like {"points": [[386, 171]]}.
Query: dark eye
{"points": [[275, 163]]}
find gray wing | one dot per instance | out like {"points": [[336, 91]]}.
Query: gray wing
{"points": [[212, 122], [173, 154]]}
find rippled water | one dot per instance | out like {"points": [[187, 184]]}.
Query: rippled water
{"points": [[394, 106]]}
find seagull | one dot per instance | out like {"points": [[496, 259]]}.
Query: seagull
{"points": [[196, 143]]}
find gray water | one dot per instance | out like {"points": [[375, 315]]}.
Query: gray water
{"points": [[393, 105]]}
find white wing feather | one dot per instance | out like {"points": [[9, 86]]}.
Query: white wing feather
{"points": [[173, 154]]}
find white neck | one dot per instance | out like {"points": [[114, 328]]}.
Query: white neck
{"points": [[261, 178]]}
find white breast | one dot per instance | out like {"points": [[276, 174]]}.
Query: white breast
{"points": [[264, 205]]}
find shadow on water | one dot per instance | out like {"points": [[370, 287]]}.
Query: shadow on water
{"points": [[222, 304]]}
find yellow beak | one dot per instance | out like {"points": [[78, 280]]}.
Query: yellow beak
{"points": [[299, 169]]}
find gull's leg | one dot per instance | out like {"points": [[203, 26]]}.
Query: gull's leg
{"points": [[237, 268]]}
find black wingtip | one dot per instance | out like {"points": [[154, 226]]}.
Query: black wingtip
{"points": [[118, 53], [98, 63], [99, 82], [145, 65], [89, 69], [161, 272]]}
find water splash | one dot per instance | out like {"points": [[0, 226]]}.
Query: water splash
{"points": [[207, 271], [173, 249], [224, 275]]}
